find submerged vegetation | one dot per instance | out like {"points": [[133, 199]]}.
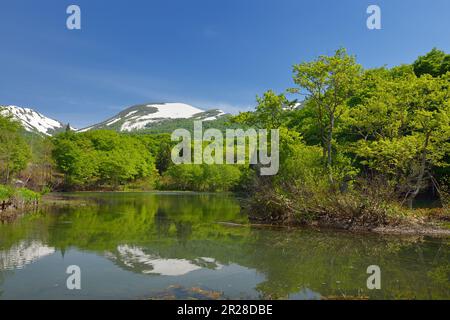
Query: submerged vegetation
{"points": [[358, 148]]}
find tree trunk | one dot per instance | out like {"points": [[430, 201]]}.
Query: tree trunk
{"points": [[7, 172], [419, 182], [329, 145]]}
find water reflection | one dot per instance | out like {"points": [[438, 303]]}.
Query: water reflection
{"points": [[174, 238], [23, 253], [137, 260]]}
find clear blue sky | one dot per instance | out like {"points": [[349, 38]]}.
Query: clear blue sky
{"points": [[209, 53]]}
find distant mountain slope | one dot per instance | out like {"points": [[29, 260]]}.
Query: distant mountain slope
{"points": [[144, 118], [152, 115], [168, 126], [33, 121]]}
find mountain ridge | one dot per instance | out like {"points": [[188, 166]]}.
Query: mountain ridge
{"points": [[32, 120], [145, 116], [141, 117]]}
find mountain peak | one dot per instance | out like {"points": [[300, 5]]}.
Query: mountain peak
{"points": [[134, 118], [31, 120], [143, 116]]}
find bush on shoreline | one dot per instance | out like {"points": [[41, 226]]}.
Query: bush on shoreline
{"points": [[18, 198]]}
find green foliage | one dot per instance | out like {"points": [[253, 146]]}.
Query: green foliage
{"points": [[14, 151], [434, 63], [159, 145], [398, 126], [19, 197], [328, 83], [269, 113], [40, 174], [6, 192], [361, 143], [26, 195], [193, 177], [101, 158]]}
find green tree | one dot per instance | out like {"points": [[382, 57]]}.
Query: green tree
{"points": [[14, 151], [102, 158], [204, 177], [430, 122], [40, 173], [328, 83], [434, 63], [270, 112], [398, 126]]}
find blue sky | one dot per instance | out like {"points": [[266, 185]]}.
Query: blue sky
{"points": [[209, 53]]}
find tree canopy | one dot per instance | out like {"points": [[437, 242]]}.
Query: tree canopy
{"points": [[14, 151]]}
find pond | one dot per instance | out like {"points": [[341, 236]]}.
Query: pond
{"points": [[190, 245]]}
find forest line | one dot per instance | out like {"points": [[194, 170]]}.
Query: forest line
{"points": [[357, 144]]}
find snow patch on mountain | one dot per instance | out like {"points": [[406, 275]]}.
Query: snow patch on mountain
{"points": [[173, 110], [221, 113], [31, 120], [164, 111], [142, 116], [130, 113], [112, 122]]}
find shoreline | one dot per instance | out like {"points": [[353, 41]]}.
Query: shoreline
{"points": [[429, 231], [406, 228]]}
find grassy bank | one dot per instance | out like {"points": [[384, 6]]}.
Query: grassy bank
{"points": [[361, 208], [14, 200]]}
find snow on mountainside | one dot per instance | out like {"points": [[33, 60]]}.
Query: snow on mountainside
{"points": [[31, 120], [155, 116], [144, 116]]}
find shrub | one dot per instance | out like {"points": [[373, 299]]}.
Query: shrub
{"points": [[6, 193], [19, 198], [27, 196]]}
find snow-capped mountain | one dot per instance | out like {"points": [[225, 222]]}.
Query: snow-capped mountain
{"points": [[146, 116], [32, 121], [156, 116]]}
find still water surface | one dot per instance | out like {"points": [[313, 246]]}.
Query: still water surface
{"points": [[182, 245]]}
